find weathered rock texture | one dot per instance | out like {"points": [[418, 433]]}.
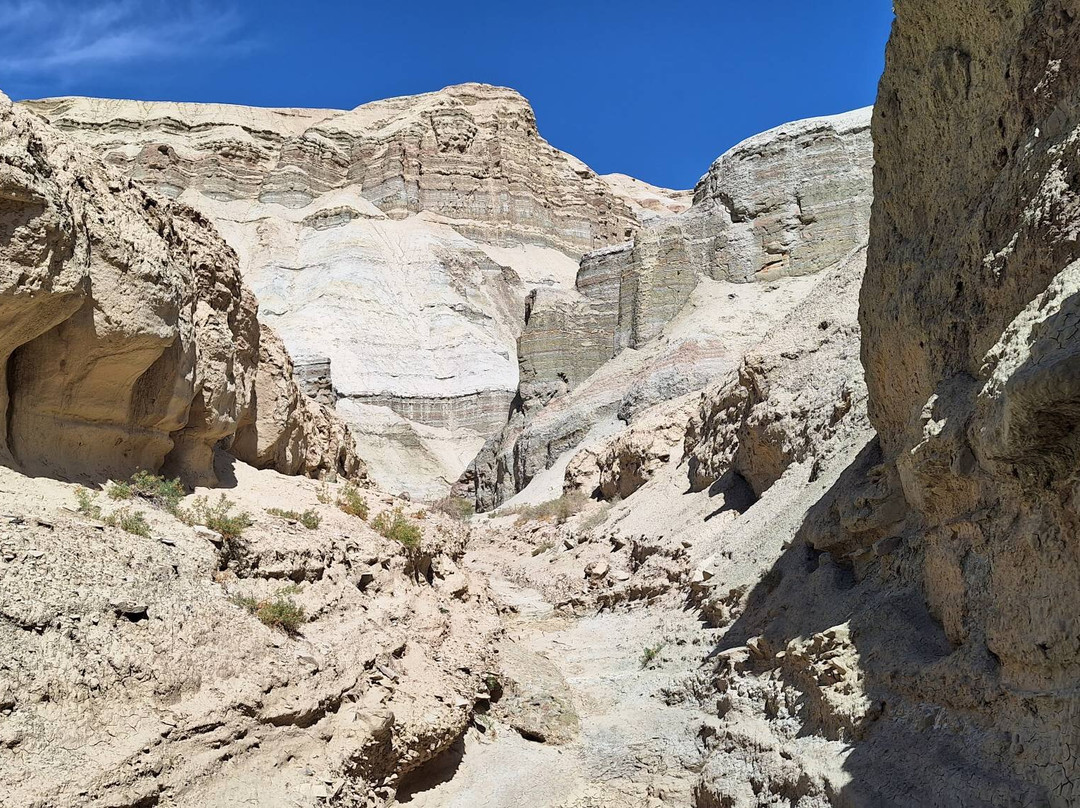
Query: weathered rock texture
{"points": [[134, 673], [898, 610], [128, 339], [971, 298], [398, 239], [689, 294]]}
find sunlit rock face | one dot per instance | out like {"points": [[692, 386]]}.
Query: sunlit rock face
{"points": [[127, 337], [674, 308], [398, 240]]}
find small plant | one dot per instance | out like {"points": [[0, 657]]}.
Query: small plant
{"points": [[352, 501], [166, 494], [282, 612], [119, 490], [87, 504], [308, 518], [130, 521], [556, 510], [397, 527], [420, 514], [460, 508], [219, 517], [246, 602], [124, 518], [322, 493], [650, 653]]}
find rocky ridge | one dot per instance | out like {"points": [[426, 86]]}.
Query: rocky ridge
{"points": [[397, 240]]}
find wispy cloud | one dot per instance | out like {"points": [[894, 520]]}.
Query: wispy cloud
{"points": [[55, 36]]}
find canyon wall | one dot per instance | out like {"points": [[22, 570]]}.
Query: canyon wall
{"points": [[892, 567], [398, 240], [129, 340], [672, 310]]}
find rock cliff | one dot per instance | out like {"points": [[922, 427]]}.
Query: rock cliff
{"points": [[680, 303], [398, 240], [891, 567], [129, 340]]}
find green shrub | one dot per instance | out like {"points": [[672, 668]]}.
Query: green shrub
{"points": [[166, 494], [87, 504], [322, 493], [308, 518], [219, 517], [130, 521], [555, 510], [124, 518], [282, 612], [397, 527], [246, 602], [118, 490], [352, 501], [650, 653]]}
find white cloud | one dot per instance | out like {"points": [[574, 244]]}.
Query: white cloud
{"points": [[58, 36]]}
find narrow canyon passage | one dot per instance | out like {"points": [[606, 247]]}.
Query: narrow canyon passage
{"points": [[629, 748]]}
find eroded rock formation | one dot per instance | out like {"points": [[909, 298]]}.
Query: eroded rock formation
{"points": [[689, 294], [128, 340], [398, 239]]}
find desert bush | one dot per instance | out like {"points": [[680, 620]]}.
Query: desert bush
{"points": [[119, 490], [87, 503], [650, 653], [128, 520], [308, 518], [282, 612], [322, 493], [352, 502], [396, 526], [219, 517], [124, 518], [555, 510], [162, 492]]}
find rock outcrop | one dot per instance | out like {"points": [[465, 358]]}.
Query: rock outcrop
{"points": [[129, 340], [971, 297], [143, 670], [679, 304], [398, 240], [895, 586]]}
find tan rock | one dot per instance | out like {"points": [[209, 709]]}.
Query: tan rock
{"points": [[129, 340]]}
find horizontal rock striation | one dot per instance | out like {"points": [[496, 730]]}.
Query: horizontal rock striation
{"points": [[398, 239], [471, 153], [790, 203], [128, 340], [482, 412]]}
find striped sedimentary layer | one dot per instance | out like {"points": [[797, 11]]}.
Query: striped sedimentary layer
{"points": [[398, 239], [786, 204]]}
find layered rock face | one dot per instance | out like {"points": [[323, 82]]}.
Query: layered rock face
{"points": [[129, 340], [689, 294], [398, 240]]}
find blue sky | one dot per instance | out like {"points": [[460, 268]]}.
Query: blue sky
{"points": [[656, 90]]}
